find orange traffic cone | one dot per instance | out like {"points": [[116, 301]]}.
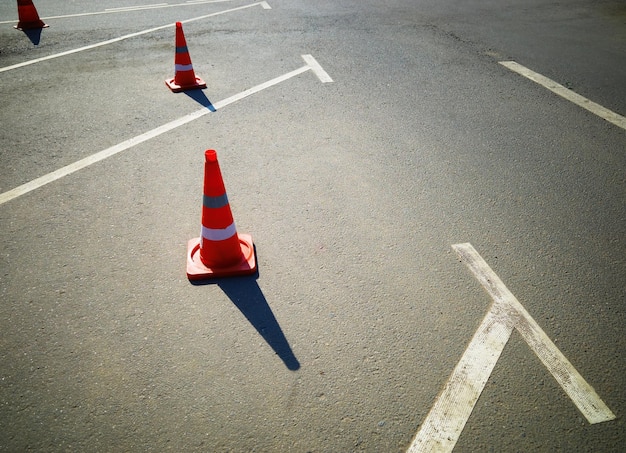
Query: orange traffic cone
{"points": [[184, 77], [219, 251], [28, 16]]}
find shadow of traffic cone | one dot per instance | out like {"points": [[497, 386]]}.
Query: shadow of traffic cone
{"points": [[184, 77], [219, 251], [28, 16]]}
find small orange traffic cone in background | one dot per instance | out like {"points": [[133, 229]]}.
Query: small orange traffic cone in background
{"points": [[184, 77], [28, 16], [219, 251]]}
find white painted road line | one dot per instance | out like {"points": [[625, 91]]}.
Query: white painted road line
{"points": [[568, 94], [134, 8], [256, 89], [104, 154], [581, 393], [448, 416], [263, 4], [125, 9], [317, 69]]}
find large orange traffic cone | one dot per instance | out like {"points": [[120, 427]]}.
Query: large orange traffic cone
{"points": [[219, 251], [28, 16], [184, 77]]}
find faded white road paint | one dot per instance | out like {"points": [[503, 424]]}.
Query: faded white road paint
{"points": [[448, 416]]}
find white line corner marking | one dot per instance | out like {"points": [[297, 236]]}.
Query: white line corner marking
{"points": [[448, 416], [317, 69]]}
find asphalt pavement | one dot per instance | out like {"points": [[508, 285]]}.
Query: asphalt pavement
{"points": [[440, 240]]}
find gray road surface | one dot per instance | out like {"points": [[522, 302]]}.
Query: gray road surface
{"points": [[354, 192]]}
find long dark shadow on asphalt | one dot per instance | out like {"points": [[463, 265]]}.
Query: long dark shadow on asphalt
{"points": [[245, 293], [199, 96], [34, 35]]}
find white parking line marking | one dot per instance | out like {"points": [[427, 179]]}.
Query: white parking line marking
{"points": [[317, 69], [448, 416], [134, 8], [581, 393], [121, 38], [256, 89], [99, 156], [199, 2], [568, 94], [125, 9]]}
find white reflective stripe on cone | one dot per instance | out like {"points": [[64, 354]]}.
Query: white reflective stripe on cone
{"points": [[183, 67], [219, 234]]}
